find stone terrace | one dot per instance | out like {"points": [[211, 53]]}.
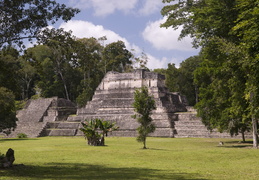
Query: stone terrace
{"points": [[34, 118]]}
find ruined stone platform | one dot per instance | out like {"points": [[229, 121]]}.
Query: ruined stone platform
{"points": [[113, 101], [114, 97], [33, 119]]}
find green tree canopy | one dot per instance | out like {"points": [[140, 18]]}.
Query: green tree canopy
{"points": [[7, 111], [233, 24], [182, 79], [63, 56], [9, 70], [222, 102], [186, 82], [23, 19], [201, 19], [89, 59], [116, 57]]}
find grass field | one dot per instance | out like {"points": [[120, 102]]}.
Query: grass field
{"points": [[124, 158]]}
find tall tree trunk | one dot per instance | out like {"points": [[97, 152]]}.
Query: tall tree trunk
{"points": [[254, 124], [255, 134], [64, 83], [196, 94], [144, 142], [28, 88], [243, 136]]}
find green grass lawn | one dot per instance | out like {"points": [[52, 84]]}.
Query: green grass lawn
{"points": [[124, 158]]}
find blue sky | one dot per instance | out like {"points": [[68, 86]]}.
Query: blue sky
{"points": [[136, 22]]}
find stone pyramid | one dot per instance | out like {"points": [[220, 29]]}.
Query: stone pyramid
{"points": [[114, 97]]}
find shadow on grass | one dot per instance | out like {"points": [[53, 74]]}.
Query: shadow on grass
{"points": [[74, 171], [237, 144], [17, 139], [156, 149]]}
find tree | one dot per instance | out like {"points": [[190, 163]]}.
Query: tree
{"points": [[23, 19], [89, 58], [62, 46], [91, 129], [160, 71], [193, 17], [222, 103], [139, 61], [7, 111], [116, 57], [247, 30], [143, 105], [186, 83], [182, 79], [46, 80], [172, 74], [27, 75], [236, 23], [9, 69]]}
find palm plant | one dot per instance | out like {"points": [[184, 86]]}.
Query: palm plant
{"points": [[106, 126], [94, 131], [89, 128]]}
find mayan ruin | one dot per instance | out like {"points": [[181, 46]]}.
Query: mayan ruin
{"points": [[112, 101]]}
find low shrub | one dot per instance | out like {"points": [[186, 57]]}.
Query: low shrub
{"points": [[22, 135]]}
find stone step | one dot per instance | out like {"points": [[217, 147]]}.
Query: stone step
{"points": [[49, 118], [74, 119], [188, 129], [186, 123], [68, 125], [187, 116], [62, 132], [115, 111], [191, 131], [192, 136]]}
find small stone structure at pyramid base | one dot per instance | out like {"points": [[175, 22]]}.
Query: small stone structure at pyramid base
{"points": [[34, 118]]}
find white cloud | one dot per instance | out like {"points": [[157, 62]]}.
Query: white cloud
{"points": [[150, 7], [156, 63], [105, 7], [166, 39], [87, 29]]}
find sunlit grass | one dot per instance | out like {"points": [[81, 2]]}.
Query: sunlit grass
{"points": [[124, 158]]}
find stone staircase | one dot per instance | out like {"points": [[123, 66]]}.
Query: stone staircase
{"points": [[35, 118], [61, 128], [31, 118], [187, 124]]}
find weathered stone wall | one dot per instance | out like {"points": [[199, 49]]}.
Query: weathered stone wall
{"points": [[33, 119], [137, 79]]}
